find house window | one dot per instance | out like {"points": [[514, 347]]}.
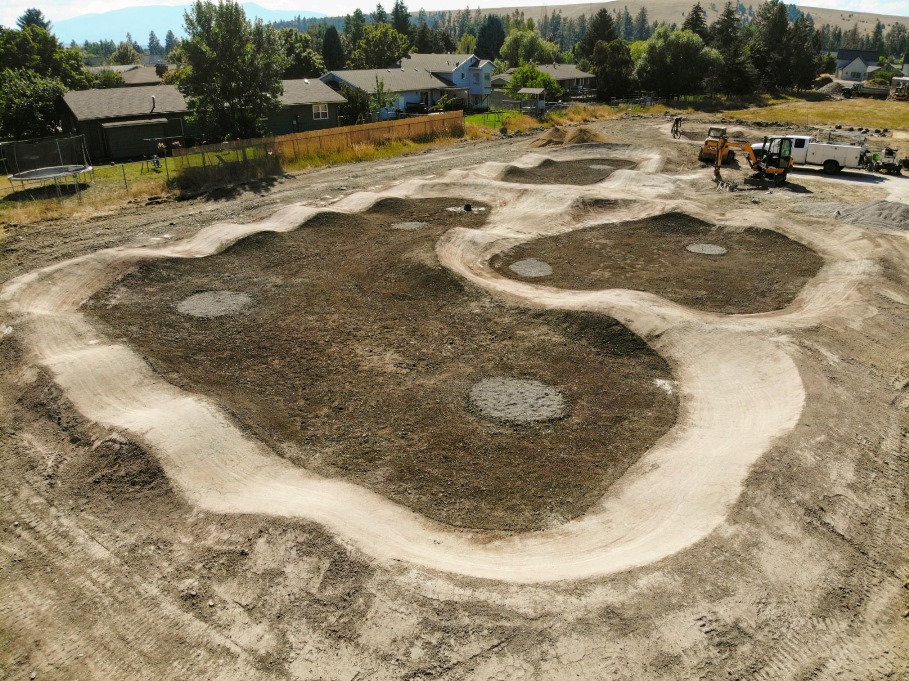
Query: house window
{"points": [[476, 77], [319, 111]]}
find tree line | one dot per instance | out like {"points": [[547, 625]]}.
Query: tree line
{"points": [[228, 64]]}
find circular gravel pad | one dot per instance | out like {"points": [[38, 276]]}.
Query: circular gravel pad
{"points": [[706, 249], [517, 400], [530, 267], [210, 304]]}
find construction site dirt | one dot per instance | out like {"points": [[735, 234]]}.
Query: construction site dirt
{"points": [[338, 426]]}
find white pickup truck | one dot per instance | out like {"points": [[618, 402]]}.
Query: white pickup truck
{"points": [[831, 156]]}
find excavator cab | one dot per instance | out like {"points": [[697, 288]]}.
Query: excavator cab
{"points": [[716, 140], [777, 156]]}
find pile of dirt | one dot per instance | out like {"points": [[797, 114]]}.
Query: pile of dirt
{"points": [[551, 137], [583, 135], [562, 136], [881, 214]]}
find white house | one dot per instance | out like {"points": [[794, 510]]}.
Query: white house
{"points": [[854, 64]]}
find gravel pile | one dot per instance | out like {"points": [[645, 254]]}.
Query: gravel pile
{"points": [[881, 214], [833, 90]]}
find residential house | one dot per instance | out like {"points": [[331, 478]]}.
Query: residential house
{"points": [[129, 122], [854, 64], [465, 72], [307, 104], [121, 123], [569, 77], [409, 88]]}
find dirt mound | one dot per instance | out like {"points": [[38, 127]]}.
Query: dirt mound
{"points": [[550, 138], [880, 213], [563, 136]]}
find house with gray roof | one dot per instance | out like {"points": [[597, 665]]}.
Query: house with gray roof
{"points": [[462, 71], [569, 77], [412, 88], [855, 64], [122, 123]]}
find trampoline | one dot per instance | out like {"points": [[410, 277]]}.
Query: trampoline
{"points": [[53, 160]]}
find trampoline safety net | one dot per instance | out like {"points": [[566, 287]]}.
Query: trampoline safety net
{"points": [[52, 152]]}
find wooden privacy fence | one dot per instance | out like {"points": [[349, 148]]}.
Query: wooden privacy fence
{"points": [[303, 144]]}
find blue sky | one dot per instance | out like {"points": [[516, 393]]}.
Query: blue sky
{"points": [[65, 9]]}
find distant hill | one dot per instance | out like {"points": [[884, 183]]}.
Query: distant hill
{"points": [[138, 21], [674, 12]]}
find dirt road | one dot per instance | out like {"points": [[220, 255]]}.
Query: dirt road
{"points": [[763, 536]]}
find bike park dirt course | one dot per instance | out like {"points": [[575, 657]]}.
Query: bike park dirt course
{"points": [[620, 426]]}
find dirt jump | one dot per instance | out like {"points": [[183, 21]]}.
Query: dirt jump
{"points": [[565, 376]]}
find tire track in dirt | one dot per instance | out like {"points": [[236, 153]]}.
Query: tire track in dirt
{"points": [[740, 391], [129, 619]]}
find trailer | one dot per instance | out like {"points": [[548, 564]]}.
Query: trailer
{"points": [[887, 161], [899, 88]]}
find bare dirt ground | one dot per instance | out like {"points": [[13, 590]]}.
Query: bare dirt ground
{"points": [[158, 525]]}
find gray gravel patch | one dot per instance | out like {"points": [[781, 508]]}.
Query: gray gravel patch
{"points": [[706, 249], [531, 267], [517, 400], [210, 304]]}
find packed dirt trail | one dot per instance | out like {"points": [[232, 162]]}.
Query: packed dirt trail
{"points": [[763, 423]]}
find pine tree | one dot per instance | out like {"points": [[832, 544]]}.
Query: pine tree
{"points": [[696, 22], [332, 50], [154, 45]]}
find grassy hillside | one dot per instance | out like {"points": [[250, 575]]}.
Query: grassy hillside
{"points": [[675, 10]]}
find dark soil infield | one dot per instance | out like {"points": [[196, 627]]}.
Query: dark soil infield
{"points": [[579, 172], [761, 271], [357, 353]]}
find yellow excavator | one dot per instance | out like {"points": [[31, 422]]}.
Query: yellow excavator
{"points": [[771, 165]]}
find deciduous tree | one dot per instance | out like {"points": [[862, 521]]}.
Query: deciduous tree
{"points": [[380, 47], [29, 104], [235, 67], [614, 69]]}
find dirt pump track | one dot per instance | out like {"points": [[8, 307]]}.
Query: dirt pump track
{"points": [[740, 388]]}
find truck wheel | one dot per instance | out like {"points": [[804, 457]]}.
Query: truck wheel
{"points": [[701, 157], [831, 167]]}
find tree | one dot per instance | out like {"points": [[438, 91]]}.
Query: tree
{"points": [[380, 16], [356, 109], [805, 54], [467, 44], [380, 48], [235, 67], [33, 17], [29, 104], [675, 62], [34, 49], [154, 45], [696, 22], [735, 75], [400, 18], [769, 45], [354, 25], [490, 37], [301, 61], [332, 50], [136, 46], [600, 28], [107, 79], [529, 75], [170, 42], [525, 46], [614, 69], [124, 54], [641, 27]]}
